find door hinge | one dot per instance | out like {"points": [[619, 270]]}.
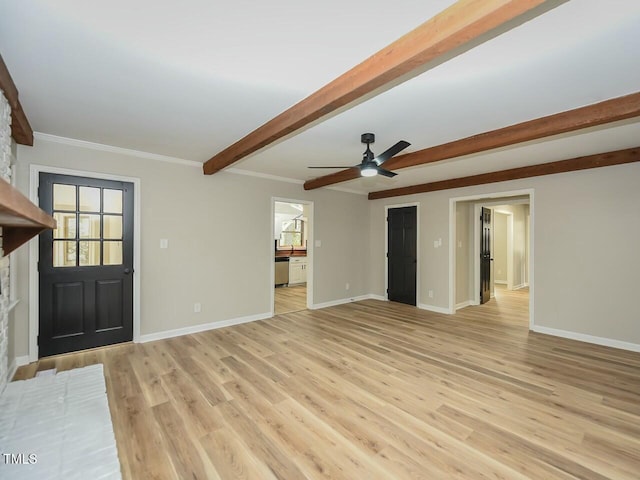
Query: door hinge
{"points": [[38, 266], [387, 254], [387, 291]]}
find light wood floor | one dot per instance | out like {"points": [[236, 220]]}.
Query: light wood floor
{"points": [[290, 299], [373, 390]]}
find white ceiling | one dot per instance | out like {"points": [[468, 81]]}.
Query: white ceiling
{"points": [[186, 79]]}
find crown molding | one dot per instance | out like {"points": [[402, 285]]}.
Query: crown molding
{"points": [[347, 190], [46, 137], [278, 178], [112, 149], [266, 176]]}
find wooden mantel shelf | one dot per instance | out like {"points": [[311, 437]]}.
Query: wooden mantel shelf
{"points": [[20, 219]]}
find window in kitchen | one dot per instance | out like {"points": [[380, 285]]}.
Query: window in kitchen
{"points": [[293, 233]]}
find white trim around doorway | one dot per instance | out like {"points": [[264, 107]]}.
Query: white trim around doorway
{"points": [[386, 249], [452, 238], [310, 246], [34, 302]]}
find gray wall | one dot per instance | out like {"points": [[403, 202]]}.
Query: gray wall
{"points": [[220, 244], [574, 215], [500, 260], [465, 286], [519, 252]]}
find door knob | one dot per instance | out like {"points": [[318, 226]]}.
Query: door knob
{"points": [[127, 271]]}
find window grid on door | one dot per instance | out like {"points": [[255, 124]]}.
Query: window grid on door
{"points": [[89, 226]]}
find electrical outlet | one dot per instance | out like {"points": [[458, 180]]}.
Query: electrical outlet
{"points": [[430, 293], [197, 308], [164, 243], [347, 286]]}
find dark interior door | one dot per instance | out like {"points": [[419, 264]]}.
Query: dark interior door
{"points": [[86, 264], [485, 255], [401, 256]]}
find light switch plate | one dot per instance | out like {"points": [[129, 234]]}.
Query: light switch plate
{"points": [[164, 243]]}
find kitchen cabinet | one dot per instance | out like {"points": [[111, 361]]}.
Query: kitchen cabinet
{"points": [[297, 270]]}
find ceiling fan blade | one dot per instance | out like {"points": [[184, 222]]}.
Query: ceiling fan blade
{"points": [[386, 155], [335, 167], [386, 173]]}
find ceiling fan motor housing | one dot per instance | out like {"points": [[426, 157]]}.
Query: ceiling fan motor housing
{"points": [[368, 138]]}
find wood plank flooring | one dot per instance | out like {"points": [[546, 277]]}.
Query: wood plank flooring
{"points": [[373, 390], [290, 299]]}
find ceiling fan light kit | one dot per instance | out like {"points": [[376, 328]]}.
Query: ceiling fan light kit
{"points": [[371, 165], [369, 171]]}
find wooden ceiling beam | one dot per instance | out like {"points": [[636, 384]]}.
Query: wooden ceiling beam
{"points": [[581, 163], [20, 129], [613, 110], [456, 29]]}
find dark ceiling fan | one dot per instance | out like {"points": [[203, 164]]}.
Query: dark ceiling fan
{"points": [[371, 165]]}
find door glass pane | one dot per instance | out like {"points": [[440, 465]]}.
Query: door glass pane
{"points": [[65, 225], [64, 254], [89, 226], [89, 253], [64, 197], [112, 201], [112, 253], [89, 199], [112, 227]]}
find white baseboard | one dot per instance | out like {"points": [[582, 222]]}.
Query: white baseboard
{"points": [[583, 337], [518, 287], [382, 298], [500, 282], [151, 337], [22, 361], [17, 362], [342, 301], [433, 308], [463, 304]]}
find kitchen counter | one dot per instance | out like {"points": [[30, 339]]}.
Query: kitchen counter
{"points": [[289, 253]]}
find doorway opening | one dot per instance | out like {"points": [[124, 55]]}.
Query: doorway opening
{"points": [[492, 253], [290, 248]]}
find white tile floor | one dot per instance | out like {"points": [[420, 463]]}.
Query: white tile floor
{"points": [[58, 427]]}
